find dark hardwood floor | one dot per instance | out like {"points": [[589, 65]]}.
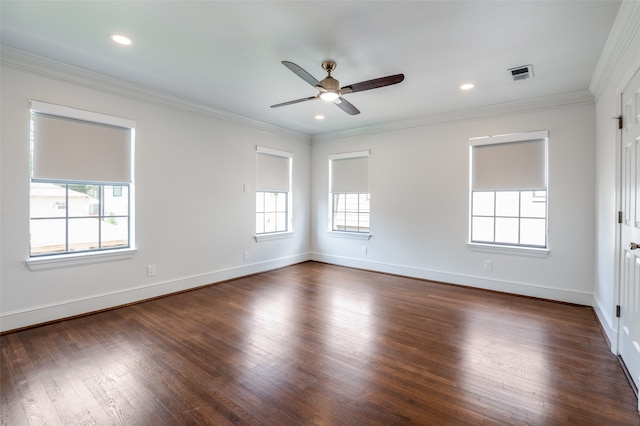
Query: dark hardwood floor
{"points": [[315, 344]]}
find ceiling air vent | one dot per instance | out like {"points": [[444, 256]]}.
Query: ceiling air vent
{"points": [[521, 73]]}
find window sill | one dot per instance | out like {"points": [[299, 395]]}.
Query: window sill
{"points": [[273, 236], [522, 251], [70, 260], [352, 235]]}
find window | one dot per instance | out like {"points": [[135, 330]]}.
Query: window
{"points": [[81, 181], [273, 191], [349, 188], [509, 190]]}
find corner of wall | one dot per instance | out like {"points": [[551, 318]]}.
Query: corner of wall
{"points": [[607, 324]]}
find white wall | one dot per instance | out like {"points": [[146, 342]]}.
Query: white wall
{"points": [[420, 205], [620, 59], [193, 219]]}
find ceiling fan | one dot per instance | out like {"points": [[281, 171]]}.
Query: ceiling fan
{"points": [[329, 88]]}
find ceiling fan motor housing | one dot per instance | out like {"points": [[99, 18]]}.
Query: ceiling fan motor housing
{"points": [[330, 84]]}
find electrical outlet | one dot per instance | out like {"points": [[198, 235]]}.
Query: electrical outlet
{"points": [[487, 265], [364, 250], [151, 270], [246, 256]]}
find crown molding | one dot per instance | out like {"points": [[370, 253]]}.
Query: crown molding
{"points": [[623, 31], [53, 69], [583, 97], [29, 62]]}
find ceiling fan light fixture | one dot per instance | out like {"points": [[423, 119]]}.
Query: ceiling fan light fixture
{"points": [[329, 96]]}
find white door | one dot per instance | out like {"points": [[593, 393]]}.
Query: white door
{"points": [[629, 326]]}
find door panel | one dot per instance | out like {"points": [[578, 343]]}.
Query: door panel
{"points": [[629, 327]]}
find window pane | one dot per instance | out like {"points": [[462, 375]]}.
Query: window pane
{"points": [[259, 202], [84, 200], [114, 232], [352, 221], [259, 223], [534, 204], [338, 202], [338, 221], [116, 205], [281, 222], [281, 202], [507, 230], [365, 203], [48, 236], [269, 202], [48, 200], [482, 229], [269, 222], [533, 232], [83, 234], [483, 203], [508, 203], [364, 222], [352, 202]]}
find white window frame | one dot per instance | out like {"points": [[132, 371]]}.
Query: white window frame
{"points": [[525, 249], [340, 233], [289, 213], [70, 259]]}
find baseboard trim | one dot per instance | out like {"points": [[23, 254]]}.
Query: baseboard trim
{"points": [[38, 315], [607, 324], [522, 289]]}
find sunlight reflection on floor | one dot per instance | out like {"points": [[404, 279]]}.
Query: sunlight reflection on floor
{"points": [[493, 364]]}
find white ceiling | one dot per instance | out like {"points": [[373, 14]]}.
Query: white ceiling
{"points": [[226, 54]]}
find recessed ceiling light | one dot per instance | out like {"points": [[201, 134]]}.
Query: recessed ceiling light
{"points": [[121, 39], [467, 86], [319, 117]]}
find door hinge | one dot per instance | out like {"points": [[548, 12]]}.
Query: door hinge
{"points": [[617, 311], [619, 118], [620, 217]]}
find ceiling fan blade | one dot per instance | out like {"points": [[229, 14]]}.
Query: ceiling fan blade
{"points": [[346, 106], [294, 102], [373, 84], [297, 70]]}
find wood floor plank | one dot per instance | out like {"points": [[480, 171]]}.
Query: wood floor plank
{"points": [[315, 344]]}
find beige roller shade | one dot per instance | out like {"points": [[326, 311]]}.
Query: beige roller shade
{"points": [[350, 174], [273, 170], [66, 147], [509, 166]]}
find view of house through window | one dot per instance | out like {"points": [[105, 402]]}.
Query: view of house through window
{"points": [[81, 181], [509, 190], [271, 212], [510, 217], [69, 217], [351, 212]]}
